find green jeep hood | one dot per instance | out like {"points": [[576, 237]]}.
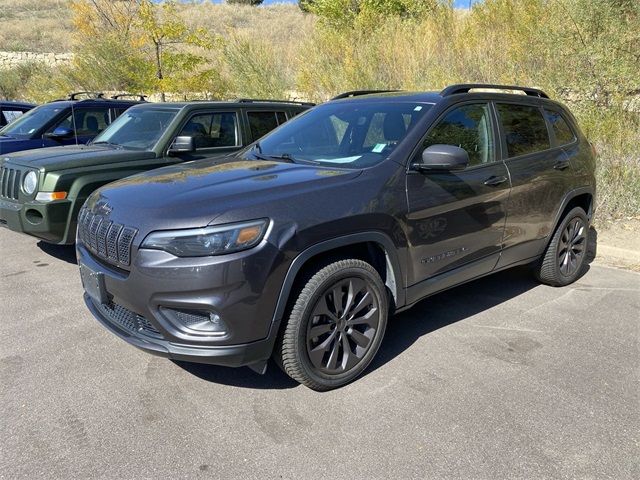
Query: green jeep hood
{"points": [[63, 158]]}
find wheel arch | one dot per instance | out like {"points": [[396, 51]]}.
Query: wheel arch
{"points": [[583, 197], [374, 247]]}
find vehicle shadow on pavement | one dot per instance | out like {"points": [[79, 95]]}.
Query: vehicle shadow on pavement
{"points": [[449, 307], [403, 329], [274, 378], [66, 253]]}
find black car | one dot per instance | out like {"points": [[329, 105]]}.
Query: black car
{"points": [[301, 245], [9, 111], [63, 122]]}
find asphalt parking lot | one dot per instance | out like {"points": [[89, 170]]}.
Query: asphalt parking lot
{"points": [[501, 378]]}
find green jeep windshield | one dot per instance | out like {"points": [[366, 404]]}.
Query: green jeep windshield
{"points": [[344, 134], [32, 121], [137, 128]]}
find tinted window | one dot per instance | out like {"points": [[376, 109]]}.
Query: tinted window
{"points": [[137, 128], [524, 128], [262, 123], [561, 129], [33, 120], [345, 134], [212, 130], [467, 127], [86, 122]]}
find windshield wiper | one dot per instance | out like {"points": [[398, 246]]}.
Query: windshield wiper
{"points": [[107, 143], [257, 152]]}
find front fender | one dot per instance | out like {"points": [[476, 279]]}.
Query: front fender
{"points": [[396, 282]]}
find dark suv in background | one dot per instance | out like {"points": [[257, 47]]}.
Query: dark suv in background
{"points": [[302, 244], [41, 191], [9, 111], [63, 122]]}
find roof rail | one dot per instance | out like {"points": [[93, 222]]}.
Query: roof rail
{"points": [[74, 95], [465, 87], [357, 93], [268, 100], [139, 96]]}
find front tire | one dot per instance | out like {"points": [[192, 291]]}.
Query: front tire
{"points": [[564, 260], [336, 326]]}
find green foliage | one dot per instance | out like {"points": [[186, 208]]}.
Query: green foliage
{"points": [[306, 5], [246, 2], [14, 82], [139, 45], [254, 70], [346, 13]]}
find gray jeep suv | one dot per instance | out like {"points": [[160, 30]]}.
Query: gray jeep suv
{"points": [[302, 244]]}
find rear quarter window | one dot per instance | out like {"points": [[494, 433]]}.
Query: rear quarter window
{"points": [[524, 128], [10, 115], [561, 129]]}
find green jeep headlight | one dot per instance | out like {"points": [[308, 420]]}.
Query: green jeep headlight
{"points": [[30, 183]]}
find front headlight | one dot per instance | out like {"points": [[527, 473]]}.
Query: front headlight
{"points": [[202, 242], [30, 183]]}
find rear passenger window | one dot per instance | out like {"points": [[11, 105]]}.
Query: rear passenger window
{"points": [[467, 127], [524, 128], [561, 128], [262, 123]]}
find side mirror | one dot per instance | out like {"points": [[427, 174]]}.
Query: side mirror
{"points": [[182, 145], [60, 133], [443, 158]]}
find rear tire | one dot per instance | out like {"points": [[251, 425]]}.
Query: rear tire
{"points": [[335, 327], [564, 260]]}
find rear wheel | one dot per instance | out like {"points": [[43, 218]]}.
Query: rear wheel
{"points": [[564, 259], [336, 325]]}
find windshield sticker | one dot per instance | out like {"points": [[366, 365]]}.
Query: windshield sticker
{"points": [[417, 109], [339, 160], [379, 147], [32, 130]]}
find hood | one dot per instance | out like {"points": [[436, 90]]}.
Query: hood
{"points": [[62, 158], [12, 144], [195, 193]]}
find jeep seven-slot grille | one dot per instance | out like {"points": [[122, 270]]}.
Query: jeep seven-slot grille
{"points": [[106, 239], [9, 182]]}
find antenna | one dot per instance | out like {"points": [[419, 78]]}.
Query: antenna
{"points": [[73, 122]]}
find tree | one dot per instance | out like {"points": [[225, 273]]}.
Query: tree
{"points": [[343, 13], [306, 5], [163, 30]]}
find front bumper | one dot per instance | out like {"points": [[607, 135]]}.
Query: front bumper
{"points": [[241, 288], [47, 221], [225, 355]]}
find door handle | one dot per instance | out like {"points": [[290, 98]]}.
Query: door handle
{"points": [[561, 165], [493, 181]]}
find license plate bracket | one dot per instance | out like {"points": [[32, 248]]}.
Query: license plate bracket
{"points": [[93, 283]]}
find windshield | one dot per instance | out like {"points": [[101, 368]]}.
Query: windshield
{"points": [[32, 121], [349, 134], [139, 129]]}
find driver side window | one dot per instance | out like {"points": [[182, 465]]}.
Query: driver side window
{"points": [[467, 127], [212, 130]]}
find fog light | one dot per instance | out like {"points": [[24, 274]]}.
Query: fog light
{"points": [[197, 321]]}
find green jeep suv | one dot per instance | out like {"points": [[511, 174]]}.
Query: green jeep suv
{"points": [[42, 191]]}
